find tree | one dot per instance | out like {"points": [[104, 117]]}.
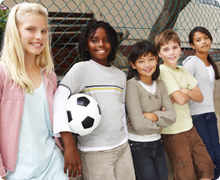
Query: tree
{"points": [[167, 17]]}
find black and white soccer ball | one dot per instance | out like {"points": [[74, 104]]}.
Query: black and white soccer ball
{"points": [[84, 114]]}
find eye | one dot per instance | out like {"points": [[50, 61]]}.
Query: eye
{"points": [[166, 49], [107, 40], [152, 59], [44, 31], [197, 40], [94, 40], [30, 29]]}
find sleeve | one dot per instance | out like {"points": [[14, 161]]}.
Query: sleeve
{"points": [[189, 65], [2, 168], [168, 117], [60, 123], [74, 78], [169, 80], [54, 82], [140, 124], [192, 82]]}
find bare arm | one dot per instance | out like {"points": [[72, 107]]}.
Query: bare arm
{"points": [[151, 116], [72, 160], [179, 97], [195, 94], [184, 95]]}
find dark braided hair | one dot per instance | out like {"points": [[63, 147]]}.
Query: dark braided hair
{"points": [[87, 33]]}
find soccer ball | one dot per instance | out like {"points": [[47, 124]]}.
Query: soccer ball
{"points": [[83, 113]]}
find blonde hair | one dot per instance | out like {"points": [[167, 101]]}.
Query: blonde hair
{"points": [[166, 36], [12, 54]]}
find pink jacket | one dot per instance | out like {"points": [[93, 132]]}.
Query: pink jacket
{"points": [[11, 110]]}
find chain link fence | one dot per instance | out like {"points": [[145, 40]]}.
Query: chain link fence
{"points": [[134, 20]]}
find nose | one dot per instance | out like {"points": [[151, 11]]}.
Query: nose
{"points": [[171, 51], [101, 43], [147, 64], [38, 35]]}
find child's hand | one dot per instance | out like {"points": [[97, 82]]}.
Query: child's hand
{"points": [[151, 116], [72, 161], [129, 123], [172, 100], [163, 109]]}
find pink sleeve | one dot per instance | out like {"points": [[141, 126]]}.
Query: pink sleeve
{"points": [[2, 169], [54, 81]]}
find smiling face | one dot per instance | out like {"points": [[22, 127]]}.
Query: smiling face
{"points": [[33, 34], [201, 42], [99, 46], [146, 66], [170, 53]]}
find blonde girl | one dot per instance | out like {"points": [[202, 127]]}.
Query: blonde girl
{"points": [[27, 85]]}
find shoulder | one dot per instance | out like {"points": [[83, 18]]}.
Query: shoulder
{"points": [[132, 84], [190, 60], [133, 88], [160, 83], [53, 77], [183, 69], [164, 69], [132, 81], [119, 71], [78, 68], [81, 64], [2, 70]]}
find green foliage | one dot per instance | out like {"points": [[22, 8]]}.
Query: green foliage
{"points": [[3, 18]]}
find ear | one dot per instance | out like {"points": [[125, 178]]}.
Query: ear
{"points": [[159, 54], [192, 45], [132, 65]]}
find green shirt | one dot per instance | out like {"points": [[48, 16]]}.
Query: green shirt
{"points": [[175, 79]]}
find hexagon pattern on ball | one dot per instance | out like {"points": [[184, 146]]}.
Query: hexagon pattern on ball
{"points": [[83, 113]]}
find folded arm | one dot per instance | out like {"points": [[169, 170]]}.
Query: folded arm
{"points": [[183, 95]]}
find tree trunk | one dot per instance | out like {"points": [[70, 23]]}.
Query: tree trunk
{"points": [[168, 17]]}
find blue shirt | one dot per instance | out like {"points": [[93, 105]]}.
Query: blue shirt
{"points": [[36, 149]]}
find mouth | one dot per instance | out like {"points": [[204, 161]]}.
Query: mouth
{"points": [[172, 58], [36, 44], [101, 51], [205, 46], [147, 70]]}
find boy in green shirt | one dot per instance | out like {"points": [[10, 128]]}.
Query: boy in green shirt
{"points": [[183, 145]]}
